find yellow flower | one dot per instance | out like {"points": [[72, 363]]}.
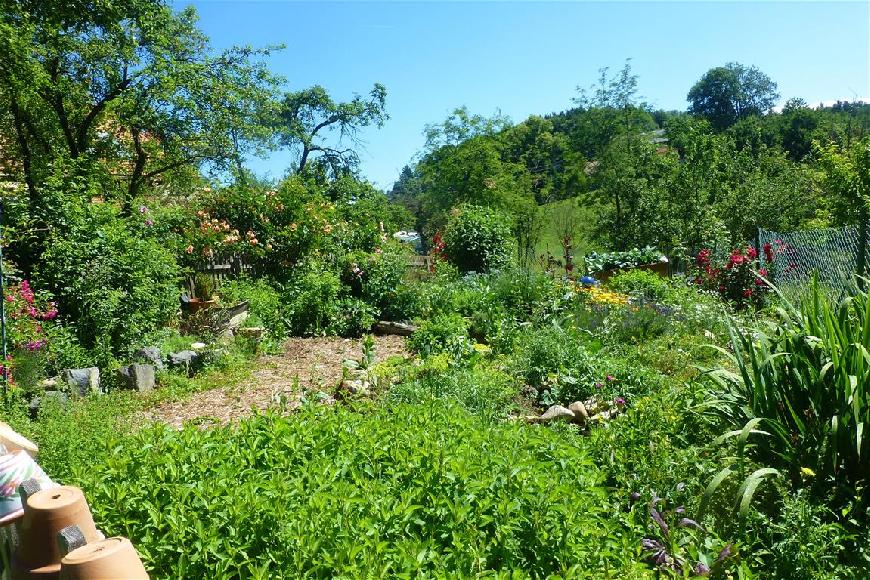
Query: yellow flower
{"points": [[807, 472]]}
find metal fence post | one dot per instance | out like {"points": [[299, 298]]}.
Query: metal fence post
{"points": [[862, 244]]}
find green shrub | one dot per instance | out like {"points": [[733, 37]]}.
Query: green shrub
{"points": [[447, 334], [375, 277], [114, 285], [478, 239], [397, 491], [311, 298], [483, 391], [264, 302], [642, 284]]}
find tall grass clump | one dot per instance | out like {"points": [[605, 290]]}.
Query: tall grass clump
{"points": [[801, 379]]}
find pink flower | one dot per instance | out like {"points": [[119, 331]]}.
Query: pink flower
{"points": [[149, 222], [143, 209], [610, 378], [189, 249]]}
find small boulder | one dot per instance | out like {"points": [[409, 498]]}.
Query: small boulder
{"points": [[579, 410], [150, 355], [183, 358], [198, 346], [397, 328], [352, 387], [82, 381], [138, 377], [557, 413], [59, 398]]}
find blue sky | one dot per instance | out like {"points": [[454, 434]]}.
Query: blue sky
{"points": [[528, 57]]}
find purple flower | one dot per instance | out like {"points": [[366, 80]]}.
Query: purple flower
{"points": [[610, 378], [619, 402], [143, 209], [598, 385], [702, 569], [149, 222], [725, 553], [634, 497], [680, 510]]}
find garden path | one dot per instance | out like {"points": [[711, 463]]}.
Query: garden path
{"points": [[305, 364]]}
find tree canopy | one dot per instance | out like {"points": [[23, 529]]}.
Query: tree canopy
{"points": [[727, 94]]}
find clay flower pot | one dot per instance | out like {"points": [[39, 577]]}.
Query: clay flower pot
{"points": [[104, 560], [14, 469], [46, 513]]}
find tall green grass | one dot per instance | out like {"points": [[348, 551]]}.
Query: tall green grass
{"points": [[802, 380]]}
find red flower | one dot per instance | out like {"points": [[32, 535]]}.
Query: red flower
{"points": [[768, 253], [751, 253], [747, 293]]}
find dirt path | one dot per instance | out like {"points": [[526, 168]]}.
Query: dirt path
{"points": [[306, 364]]}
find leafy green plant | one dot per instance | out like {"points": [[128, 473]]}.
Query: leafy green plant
{"points": [[449, 492], [803, 378], [447, 334], [600, 261], [478, 239]]}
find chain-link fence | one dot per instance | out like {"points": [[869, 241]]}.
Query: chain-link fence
{"points": [[835, 255]]}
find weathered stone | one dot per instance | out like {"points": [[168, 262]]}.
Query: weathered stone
{"points": [[397, 328], [183, 358], [251, 332], [49, 384], [350, 387], [150, 355], [556, 413], [579, 410], [61, 399], [137, 376], [82, 381], [198, 346]]}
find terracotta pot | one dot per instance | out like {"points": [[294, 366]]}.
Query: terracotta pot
{"points": [[194, 305], [46, 513], [105, 560]]}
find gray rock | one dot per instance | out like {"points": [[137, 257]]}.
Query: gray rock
{"points": [[397, 328], [137, 376], [557, 413], [62, 399], [351, 387], [150, 355], [82, 381], [579, 410], [183, 358]]}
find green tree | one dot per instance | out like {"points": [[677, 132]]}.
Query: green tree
{"points": [[123, 91], [726, 94], [308, 118]]}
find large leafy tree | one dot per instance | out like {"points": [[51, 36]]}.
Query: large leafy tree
{"points": [[726, 94], [324, 129], [126, 90]]}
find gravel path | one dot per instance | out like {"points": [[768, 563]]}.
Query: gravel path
{"points": [[306, 364]]}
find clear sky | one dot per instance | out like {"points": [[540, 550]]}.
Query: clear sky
{"points": [[528, 57]]}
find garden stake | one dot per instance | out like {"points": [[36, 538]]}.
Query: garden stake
{"points": [[5, 373]]}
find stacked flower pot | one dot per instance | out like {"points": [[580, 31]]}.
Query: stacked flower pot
{"points": [[49, 531]]}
